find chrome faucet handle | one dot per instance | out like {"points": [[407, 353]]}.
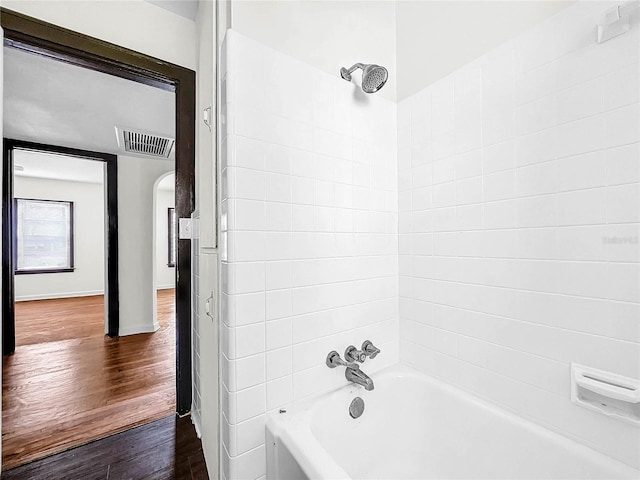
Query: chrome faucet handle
{"points": [[334, 360], [369, 349], [352, 354]]}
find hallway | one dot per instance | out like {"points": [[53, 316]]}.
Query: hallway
{"points": [[82, 386], [166, 449]]}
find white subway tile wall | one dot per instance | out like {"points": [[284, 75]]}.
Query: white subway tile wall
{"points": [[496, 212], [309, 237], [519, 223]]}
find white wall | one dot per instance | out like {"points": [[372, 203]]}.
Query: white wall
{"points": [[137, 222], [206, 93], [165, 275], [88, 208], [519, 223], [205, 261], [434, 38], [136, 247], [325, 34], [309, 238], [134, 24], [418, 41]]}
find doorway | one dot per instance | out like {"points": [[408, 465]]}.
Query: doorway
{"points": [[41, 154], [32, 35], [164, 244], [38, 37]]}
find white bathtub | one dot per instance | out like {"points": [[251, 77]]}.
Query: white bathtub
{"points": [[415, 427]]}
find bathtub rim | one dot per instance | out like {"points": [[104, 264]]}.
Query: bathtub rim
{"points": [[294, 430]]}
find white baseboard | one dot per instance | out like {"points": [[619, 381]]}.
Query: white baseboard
{"points": [[195, 420], [133, 329], [88, 293], [49, 296]]}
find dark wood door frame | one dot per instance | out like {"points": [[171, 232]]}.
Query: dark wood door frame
{"points": [[35, 36], [8, 234]]}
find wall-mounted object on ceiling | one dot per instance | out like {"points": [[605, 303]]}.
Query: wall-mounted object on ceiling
{"points": [[148, 144]]}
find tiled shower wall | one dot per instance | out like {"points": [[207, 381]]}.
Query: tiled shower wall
{"points": [[309, 237], [518, 212]]}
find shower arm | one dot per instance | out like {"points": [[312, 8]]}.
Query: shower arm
{"points": [[346, 74]]}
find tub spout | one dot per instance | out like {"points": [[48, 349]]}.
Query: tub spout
{"points": [[356, 375], [352, 373]]}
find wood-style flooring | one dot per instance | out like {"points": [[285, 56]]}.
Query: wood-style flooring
{"points": [[165, 449], [39, 321], [60, 394]]}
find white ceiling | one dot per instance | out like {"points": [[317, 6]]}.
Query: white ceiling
{"points": [[434, 38], [48, 101]]}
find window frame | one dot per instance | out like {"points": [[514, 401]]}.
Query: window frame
{"points": [[172, 253], [34, 271]]}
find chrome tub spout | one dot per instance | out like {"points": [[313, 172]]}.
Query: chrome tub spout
{"points": [[355, 375]]}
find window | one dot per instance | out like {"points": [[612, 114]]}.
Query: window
{"points": [[43, 236], [172, 237]]}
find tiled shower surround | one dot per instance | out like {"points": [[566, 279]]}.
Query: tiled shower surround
{"points": [[489, 237], [309, 218], [519, 210]]}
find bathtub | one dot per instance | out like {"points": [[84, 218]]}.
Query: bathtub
{"points": [[415, 427]]}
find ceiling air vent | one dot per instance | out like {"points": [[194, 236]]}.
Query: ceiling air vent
{"points": [[144, 143]]}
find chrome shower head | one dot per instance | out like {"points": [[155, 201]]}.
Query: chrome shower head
{"points": [[373, 76]]}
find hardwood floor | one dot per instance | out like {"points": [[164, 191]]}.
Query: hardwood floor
{"points": [[39, 321], [165, 449], [61, 394]]}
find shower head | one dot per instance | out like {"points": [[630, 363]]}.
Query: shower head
{"points": [[373, 76]]}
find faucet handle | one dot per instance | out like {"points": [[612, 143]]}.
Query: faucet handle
{"points": [[334, 360], [352, 354], [369, 349]]}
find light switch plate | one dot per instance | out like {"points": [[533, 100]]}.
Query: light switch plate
{"points": [[185, 229]]}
